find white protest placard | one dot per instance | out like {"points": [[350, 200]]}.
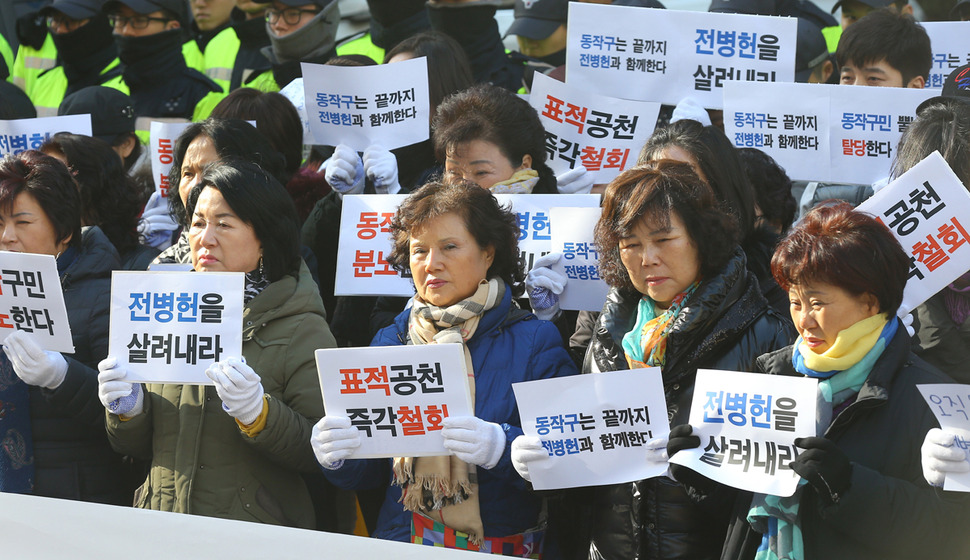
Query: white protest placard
{"points": [[573, 237], [387, 104], [163, 137], [821, 132], [595, 427], [928, 210], [397, 396], [30, 134], [948, 39], [950, 403], [666, 55], [168, 327], [31, 300], [603, 134], [365, 238], [748, 423]]}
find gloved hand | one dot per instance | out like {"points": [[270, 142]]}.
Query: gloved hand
{"points": [[526, 449], [474, 440], [344, 171], [381, 166], [239, 388], [689, 109], [940, 455], [575, 181], [34, 365], [681, 437], [907, 320], [824, 466], [657, 450], [543, 285], [118, 396], [333, 440]]}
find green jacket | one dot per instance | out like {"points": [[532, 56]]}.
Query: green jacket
{"points": [[201, 462]]}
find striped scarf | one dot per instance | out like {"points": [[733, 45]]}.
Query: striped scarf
{"points": [[646, 344]]}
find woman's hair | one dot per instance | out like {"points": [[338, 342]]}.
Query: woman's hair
{"points": [[488, 222], [653, 192], [231, 138], [493, 114], [834, 244], [942, 127], [448, 68], [717, 160], [109, 196], [259, 200], [50, 183], [276, 119], [772, 187]]}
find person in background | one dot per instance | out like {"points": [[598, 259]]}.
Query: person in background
{"points": [[960, 11], [813, 62], [112, 119], [885, 49], [300, 31], [776, 207], [54, 436], [854, 10]]}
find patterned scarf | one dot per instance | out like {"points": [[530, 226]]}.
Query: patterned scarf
{"points": [[522, 182], [445, 487], [16, 444], [842, 369], [646, 344], [255, 283]]}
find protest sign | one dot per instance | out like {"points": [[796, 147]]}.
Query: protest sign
{"points": [[168, 327], [603, 134], [833, 133], [928, 210], [31, 300], [667, 55], [358, 106], [30, 134], [163, 137], [397, 396], [365, 238], [595, 427], [948, 40], [573, 237], [748, 423], [950, 403]]}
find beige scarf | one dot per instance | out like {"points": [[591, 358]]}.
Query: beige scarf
{"points": [[522, 182], [445, 488]]}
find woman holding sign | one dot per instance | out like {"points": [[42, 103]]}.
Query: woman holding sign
{"points": [[243, 458], [681, 299], [462, 250]]}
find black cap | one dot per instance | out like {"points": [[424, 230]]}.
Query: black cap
{"points": [[537, 19], [74, 9], [956, 89], [644, 4], [111, 111], [753, 7], [958, 8], [177, 7], [874, 4], [810, 50], [297, 3]]}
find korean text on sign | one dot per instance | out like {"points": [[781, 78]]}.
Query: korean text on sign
{"points": [[584, 289], [950, 403], [163, 136], [31, 300], [365, 242], [20, 135]]}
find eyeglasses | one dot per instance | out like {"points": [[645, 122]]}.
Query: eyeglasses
{"points": [[135, 22], [290, 15], [62, 21]]}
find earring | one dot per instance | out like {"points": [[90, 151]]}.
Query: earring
{"points": [[261, 265]]}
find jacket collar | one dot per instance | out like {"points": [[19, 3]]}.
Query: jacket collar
{"points": [[293, 294]]}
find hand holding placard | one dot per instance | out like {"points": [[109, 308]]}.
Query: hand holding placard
{"points": [[33, 364], [940, 455], [118, 396], [239, 387], [333, 440]]}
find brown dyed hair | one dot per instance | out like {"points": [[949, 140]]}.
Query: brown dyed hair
{"points": [[835, 244], [652, 192], [488, 222], [50, 182]]}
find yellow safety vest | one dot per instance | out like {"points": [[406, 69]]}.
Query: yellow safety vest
{"points": [[832, 36], [50, 87], [7, 53], [362, 45], [30, 62]]}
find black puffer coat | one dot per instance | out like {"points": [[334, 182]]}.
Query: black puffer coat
{"points": [[726, 324]]}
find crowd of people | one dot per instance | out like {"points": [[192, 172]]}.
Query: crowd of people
{"points": [[714, 258]]}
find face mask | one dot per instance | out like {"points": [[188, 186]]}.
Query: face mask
{"points": [[132, 50], [78, 45], [314, 39]]}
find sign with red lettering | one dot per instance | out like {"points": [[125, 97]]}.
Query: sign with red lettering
{"points": [[163, 137], [31, 300]]}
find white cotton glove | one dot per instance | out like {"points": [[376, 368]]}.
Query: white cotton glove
{"points": [[381, 166], [474, 440], [544, 285], [940, 455], [907, 320], [118, 396], [34, 365], [333, 440], [525, 450], [239, 388], [689, 109], [575, 181], [344, 171], [657, 450]]}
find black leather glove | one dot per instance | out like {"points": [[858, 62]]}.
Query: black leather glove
{"points": [[32, 30], [681, 437], [824, 466]]}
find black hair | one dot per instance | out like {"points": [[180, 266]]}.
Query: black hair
{"points": [[942, 127], [449, 70], [772, 187], [887, 35]]}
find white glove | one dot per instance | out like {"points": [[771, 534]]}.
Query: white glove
{"points": [[907, 320], [525, 450], [543, 286], [118, 396], [940, 455], [344, 171], [689, 109], [333, 440], [575, 181], [657, 450], [474, 440], [239, 388], [34, 365], [381, 166]]}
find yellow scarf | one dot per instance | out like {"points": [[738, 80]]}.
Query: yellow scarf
{"points": [[522, 182], [851, 345]]}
